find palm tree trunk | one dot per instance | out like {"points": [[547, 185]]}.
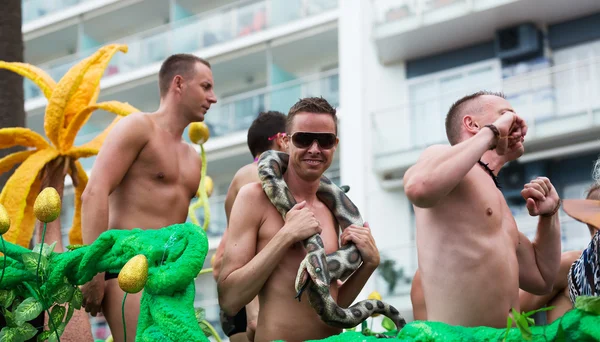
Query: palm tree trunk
{"points": [[12, 112]]}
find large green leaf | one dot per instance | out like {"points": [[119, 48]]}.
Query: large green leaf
{"points": [[7, 297], [588, 304], [29, 309], [77, 299], [200, 314], [30, 260], [63, 294], [17, 334], [57, 314], [46, 250], [60, 329]]}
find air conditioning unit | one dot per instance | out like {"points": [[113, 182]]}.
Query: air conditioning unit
{"points": [[518, 43]]}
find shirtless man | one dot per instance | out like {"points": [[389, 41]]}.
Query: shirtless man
{"points": [[472, 258], [144, 158], [559, 297], [267, 132], [263, 252]]}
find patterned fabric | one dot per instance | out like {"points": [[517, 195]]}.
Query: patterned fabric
{"points": [[584, 276]]}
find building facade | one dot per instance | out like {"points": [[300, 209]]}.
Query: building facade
{"points": [[392, 67]]}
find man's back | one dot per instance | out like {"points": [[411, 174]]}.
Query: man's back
{"points": [[466, 246]]}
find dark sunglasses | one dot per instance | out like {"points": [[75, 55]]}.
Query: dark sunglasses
{"points": [[306, 139]]}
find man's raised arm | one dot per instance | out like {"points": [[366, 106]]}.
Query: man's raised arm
{"points": [[539, 261], [441, 168], [244, 272]]}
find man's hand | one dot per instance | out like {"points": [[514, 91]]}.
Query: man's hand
{"points": [[512, 129], [93, 293], [300, 223], [541, 197], [362, 238]]}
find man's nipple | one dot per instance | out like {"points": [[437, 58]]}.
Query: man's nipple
{"points": [[489, 211], [160, 175]]}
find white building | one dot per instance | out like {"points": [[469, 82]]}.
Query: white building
{"points": [[383, 63]]}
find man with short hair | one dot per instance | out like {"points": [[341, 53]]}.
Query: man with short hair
{"points": [[263, 252], [472, 257], [267, 132], [143, 164]]}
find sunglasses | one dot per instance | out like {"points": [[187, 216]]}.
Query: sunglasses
{"points": [[306, 139]]}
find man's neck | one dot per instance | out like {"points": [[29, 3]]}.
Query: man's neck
{"points": [[301, 189], [493, 161], [171, 121]]}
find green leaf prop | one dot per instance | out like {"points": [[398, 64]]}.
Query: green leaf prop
{"points": [[29, 309]]}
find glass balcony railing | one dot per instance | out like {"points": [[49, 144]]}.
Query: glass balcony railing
{"points": [[553, 101], [189, 35], [237, 112], [34, 9], [417, 12]]}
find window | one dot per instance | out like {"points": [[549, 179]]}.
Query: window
{"points": [[431, 96]]}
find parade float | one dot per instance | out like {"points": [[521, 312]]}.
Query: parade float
{"points": [[162, 263]]}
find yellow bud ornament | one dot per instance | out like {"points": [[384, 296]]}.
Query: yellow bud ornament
{"points": [[47, 205]]}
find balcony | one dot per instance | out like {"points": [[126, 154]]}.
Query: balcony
{"points": [[236, 113], [216, 32], [559, 103], [35, 9], [408, 29]]}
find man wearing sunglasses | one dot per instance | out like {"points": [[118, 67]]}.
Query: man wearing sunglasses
{"points": [[263, 252], [266, 132]]}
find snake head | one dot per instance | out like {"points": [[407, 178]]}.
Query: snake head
{"points": [[313, 268]]}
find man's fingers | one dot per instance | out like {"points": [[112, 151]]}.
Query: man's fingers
{"points": [[542, 184], [532, 193]]}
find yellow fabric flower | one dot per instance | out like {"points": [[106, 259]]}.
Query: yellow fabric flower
{"points": [[71, 102]]}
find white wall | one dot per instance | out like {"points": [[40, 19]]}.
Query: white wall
{"points": [[366, 86]]}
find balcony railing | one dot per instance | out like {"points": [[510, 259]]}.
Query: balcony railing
{"points": [[236, 113], [416, 12], [191, 34], [553, 101], [34, 9]]}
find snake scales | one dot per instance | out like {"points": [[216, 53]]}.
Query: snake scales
{"points": [[322, 269]]}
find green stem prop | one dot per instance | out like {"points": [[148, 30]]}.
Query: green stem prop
{"points": [[37, 271], [203, 195], [123, 317], [3, 252], [212, 331]]}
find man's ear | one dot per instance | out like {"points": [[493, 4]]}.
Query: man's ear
{"points": [[470, 124]]}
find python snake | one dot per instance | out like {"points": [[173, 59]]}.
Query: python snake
{"points": [[318, 270]]}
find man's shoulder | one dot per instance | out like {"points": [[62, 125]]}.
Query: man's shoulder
{"points": [[252, 190]]}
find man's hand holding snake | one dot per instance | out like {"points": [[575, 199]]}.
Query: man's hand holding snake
{"points": [[362, 238]]}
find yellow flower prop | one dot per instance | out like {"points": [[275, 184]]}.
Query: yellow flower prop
{"points": [[70, 104], [199, 134]]}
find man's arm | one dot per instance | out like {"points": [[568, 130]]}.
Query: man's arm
{"points": [[440, 168], [121, 147], [539, 261], [529, 301], [417, 298], [364, 242], [244, 272]]}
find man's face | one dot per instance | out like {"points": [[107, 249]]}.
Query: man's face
{"points": [[492, 108], [198, 94], [312, 143]]}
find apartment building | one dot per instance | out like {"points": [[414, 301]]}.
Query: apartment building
{"points": [[392, 67]]}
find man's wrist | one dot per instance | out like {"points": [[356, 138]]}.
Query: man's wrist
{"points": [[558, 204], [496, 137]]}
